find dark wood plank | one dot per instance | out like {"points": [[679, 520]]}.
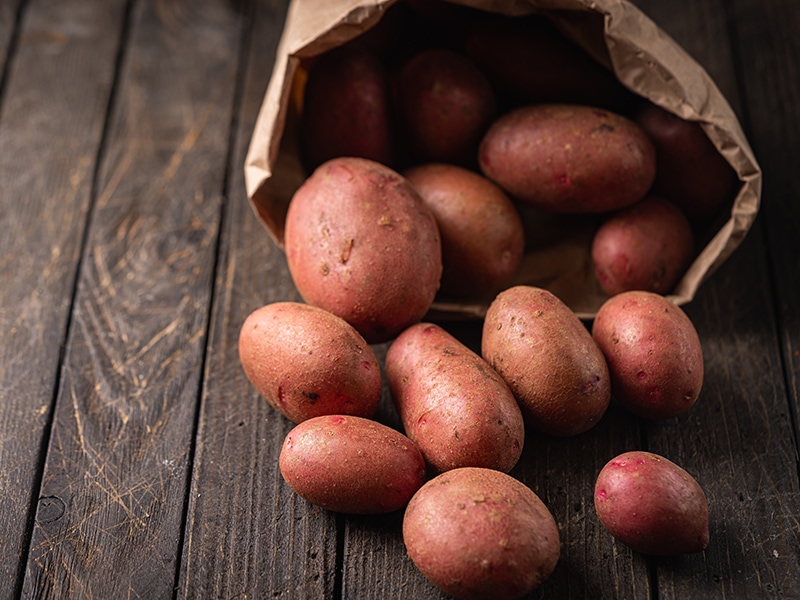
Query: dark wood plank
{"points": [[770, 59], [247, 534], [8, 27], [55, 100], [738, 440], [114, 484]]}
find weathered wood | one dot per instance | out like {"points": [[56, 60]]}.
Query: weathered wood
{"points": [[8, 27], [738, 440], [113, 493], [770, 62], [55, 100], [247, 534]]}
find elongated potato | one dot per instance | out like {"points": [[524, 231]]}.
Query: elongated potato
{"points": [[479, 534], [690, 171], [549, 360], [362, 244], [446, 105], [351, 465], [482, 235], [569, 158], [653, 353], [307, 362], [456, 408], [346, 109]]}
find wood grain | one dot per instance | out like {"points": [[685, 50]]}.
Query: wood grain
{"points": [[112, 498], [63, 64], [770, 64], [247, 534]]}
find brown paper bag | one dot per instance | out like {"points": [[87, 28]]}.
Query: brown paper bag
{"points": [[614, 32]]}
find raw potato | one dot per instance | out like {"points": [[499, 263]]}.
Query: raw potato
{"points": [[346, 108], [480, 534], [456, 408], [652, 505], [446, 105], [307, 362], [690, 171], [549, 360], [647, 246], [481, 230], [653, 354], [362, 244], [528, 61], [569, 158], [351, 465]]}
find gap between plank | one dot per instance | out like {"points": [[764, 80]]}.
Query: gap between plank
{"points": [[246, 9], [124, 31]]}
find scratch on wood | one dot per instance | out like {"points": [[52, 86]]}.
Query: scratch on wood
{"points": [[187, 143]]}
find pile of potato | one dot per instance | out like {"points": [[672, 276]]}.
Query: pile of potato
{"points": [[422, 149]]}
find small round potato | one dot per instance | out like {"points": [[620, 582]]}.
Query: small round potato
{"points": [[569, 158], [479, 534], [482, 235], [446, 104], [653, 354], [549, 360], [307, 362], [652, 505], [362, 244], [456, 408], [647, 246], [351, 465]]}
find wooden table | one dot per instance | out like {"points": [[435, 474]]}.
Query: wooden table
{"points": [[136, 461]]}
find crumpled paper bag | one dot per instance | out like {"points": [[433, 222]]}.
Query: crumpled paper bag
{"points": [[615, 33]]}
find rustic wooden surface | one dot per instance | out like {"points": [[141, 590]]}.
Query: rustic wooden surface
{"points": [[136, 461]]}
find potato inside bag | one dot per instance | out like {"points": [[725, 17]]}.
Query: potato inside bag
{"points": [[630, 52]]}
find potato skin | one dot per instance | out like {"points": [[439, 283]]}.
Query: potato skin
{"points": [[479, 534], [362, 244], [652, 505], [456, 408], [346, 108], [446, 104], [528, 61], [689, 169], [308, 362], [653, 353], [549, 360], [569, 158], [482, 235], [351, 465], [647, 246]]}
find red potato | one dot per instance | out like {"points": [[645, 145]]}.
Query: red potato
{"points": [[362, 244], [479, 534], [569, 158], [529, 61], [456, 408], [690, 171], [647, 246], [351, 465], [549, 360], [653, 353], [481, 230], [446, 104], [307, 362], [652, 505], [346, 109]]}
